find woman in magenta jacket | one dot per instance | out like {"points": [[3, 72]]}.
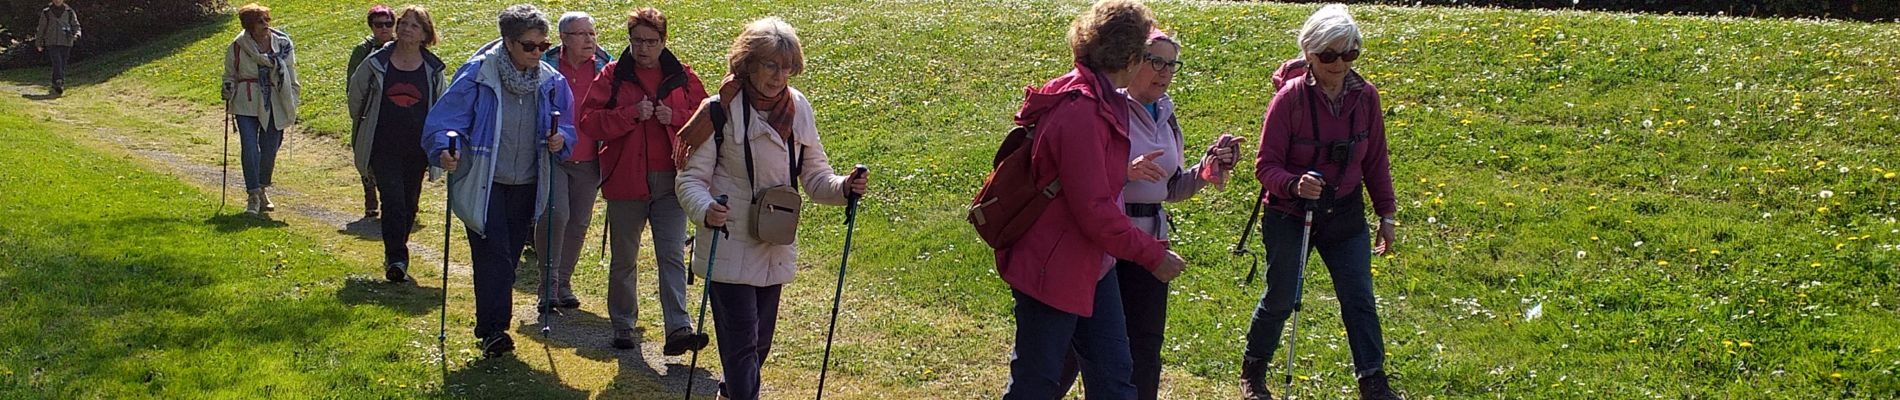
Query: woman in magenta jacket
{"points": [[1061, 271]]}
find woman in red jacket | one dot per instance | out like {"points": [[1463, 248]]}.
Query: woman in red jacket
{"points": [[1061, 271], [635, 106]]}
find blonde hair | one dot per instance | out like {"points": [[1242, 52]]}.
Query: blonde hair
{"points": [[1110, 33], [1329, 26], [429, 37], [766, 37]]}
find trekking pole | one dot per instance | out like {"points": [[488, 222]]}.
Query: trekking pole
{"points": [[448, 202], [705, 295], [547, 248], [1240, 247], [224, 170], [1299, 282], [837, 295]]}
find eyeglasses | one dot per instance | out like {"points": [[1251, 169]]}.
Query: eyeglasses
{"points": [[774, 67], [1163, 64], [1331, 56], [385, 24], [533, 47], [581, 33], [639, 42]]}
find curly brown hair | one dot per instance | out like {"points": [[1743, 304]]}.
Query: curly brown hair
{"points": [[251, 14], [648, 17], [1109, 36]]}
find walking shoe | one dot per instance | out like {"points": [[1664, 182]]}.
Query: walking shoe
{"points": [[681, 340], [250, 202], [623, 339], [1253, 379], [263, 200], [497, 344], [1376, 387], [570, 303], [371, 214], [396, 272]]}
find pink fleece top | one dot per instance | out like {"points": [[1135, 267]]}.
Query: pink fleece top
{"points": [[1287, 148]]}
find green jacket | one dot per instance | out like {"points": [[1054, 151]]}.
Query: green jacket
{"points": [[361, 52]]}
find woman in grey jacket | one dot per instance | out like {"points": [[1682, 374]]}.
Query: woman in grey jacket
{"points": [[260, 89], [390, 95]]}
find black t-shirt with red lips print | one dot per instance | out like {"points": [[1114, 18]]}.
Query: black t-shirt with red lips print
{"points": [[399, 122]]}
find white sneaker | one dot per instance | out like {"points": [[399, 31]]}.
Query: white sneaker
{"points": [[263, 199]]}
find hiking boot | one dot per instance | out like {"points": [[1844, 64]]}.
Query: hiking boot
{"points": [[497, 344], [263, 200], [1253, 379], [396, 272], [681, 340], [250, 202], [623, 339], [1376, 387], [570, 303], [371, 214]]}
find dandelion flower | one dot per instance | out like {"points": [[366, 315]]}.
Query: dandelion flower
{"points": [[1661, 263], [1889, 175], [1747, 344]]}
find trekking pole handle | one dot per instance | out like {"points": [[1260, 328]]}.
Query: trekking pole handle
{"points": [[857, 172], [721, 199], [1312, 204], [455, 140]]}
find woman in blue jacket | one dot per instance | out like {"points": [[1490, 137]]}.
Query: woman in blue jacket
{"points": [[500, 105]]}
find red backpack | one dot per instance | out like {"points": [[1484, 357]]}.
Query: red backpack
{"points": [[1011, 199]]}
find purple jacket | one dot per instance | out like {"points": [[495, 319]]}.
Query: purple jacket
{"points": [[1288, 149]]}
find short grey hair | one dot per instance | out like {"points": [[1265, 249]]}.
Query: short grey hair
{"points": [[519, 19], [1329, 26], [569, 18]]}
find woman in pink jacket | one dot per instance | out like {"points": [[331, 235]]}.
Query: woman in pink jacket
{"points": [[1061, 271], [1327, 120]]}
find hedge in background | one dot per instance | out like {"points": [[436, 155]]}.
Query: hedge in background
{"points": [[109, 24], [1862, 10]]}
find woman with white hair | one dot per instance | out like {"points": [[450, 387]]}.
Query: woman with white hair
{"points": [[768, 142], [576, 178], [1322, 144]]}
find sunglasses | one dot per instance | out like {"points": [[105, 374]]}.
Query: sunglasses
{"points": [[382, 24], [533, 47], [1331, 56], [1163, 64]]}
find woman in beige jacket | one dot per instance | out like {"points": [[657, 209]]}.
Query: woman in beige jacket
{"points": [[260, 90], [774, 120]]}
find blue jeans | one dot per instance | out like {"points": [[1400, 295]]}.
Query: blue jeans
{"points": [[1145, 307], [257, 150], [744, 318], [497, 253], [1044, 335], [1341, 236]]}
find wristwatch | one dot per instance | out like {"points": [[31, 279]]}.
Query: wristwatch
{"points": [[1388, 221]]}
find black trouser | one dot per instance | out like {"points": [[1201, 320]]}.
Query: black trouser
{"points": [[400, 181], [497, 255], [59, 55], [744, 318], [1145, 306]]}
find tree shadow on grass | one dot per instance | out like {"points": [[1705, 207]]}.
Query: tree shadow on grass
{"points": [[104, 67]]}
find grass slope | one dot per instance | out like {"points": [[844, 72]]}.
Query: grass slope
{"points": [[1703, 207]]}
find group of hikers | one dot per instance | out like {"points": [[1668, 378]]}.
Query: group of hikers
{"points": [[530, 132]]}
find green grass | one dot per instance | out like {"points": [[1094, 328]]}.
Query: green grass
{"points": [[119, 284], [1656, 183]]}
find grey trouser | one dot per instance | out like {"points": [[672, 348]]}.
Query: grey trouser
{"points": [[626, 219], [576, 186]]}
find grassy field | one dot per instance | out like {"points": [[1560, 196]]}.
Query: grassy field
{"points": [[1701, 208]]}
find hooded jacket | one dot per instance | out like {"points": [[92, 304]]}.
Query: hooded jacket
{"points": [[623, 152], [1081, 139], [366, 94], [247, 72], [472, 108]]}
